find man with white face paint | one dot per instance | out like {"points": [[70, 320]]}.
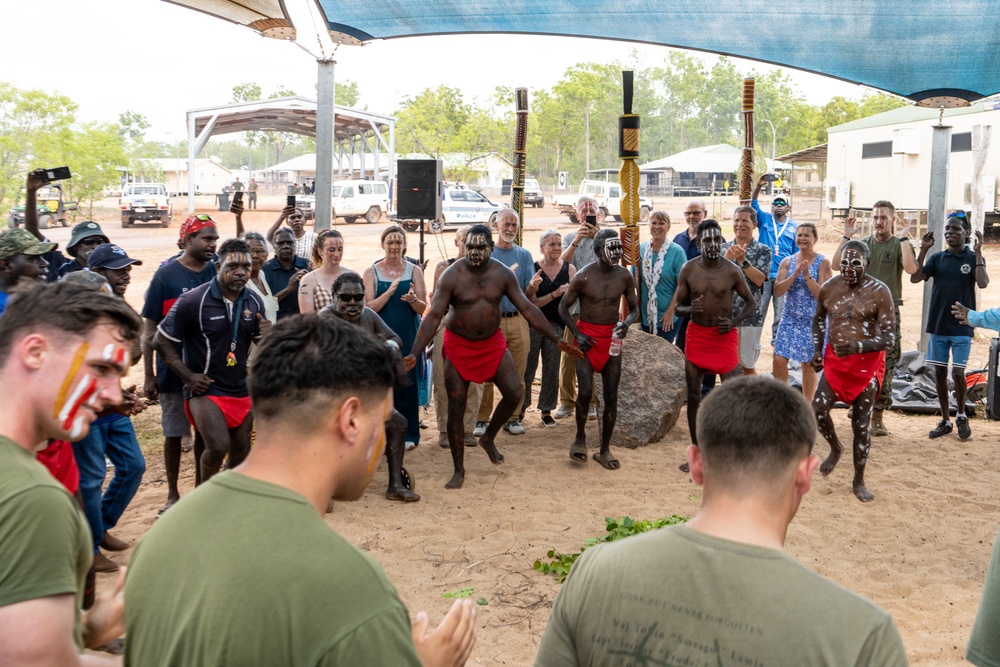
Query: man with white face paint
{"points": [[892, 254], [65, 348], [851, 354], [706, 287], [599, 286], [468, 298]]}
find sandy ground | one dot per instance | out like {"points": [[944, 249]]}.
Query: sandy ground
{"points": [[919, 550]]}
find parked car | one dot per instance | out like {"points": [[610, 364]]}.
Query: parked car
{"points": [[533, 193]]}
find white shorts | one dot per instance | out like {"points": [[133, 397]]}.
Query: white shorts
{"points": [[749, 345]]}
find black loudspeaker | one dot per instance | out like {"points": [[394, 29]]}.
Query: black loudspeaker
{"points": [[418, 188], [993, 384]]}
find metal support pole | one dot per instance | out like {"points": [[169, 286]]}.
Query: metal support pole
{"points": [[325, 118], [940, 151]]}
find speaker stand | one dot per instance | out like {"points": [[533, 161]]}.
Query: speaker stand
{"points": [[422, 244]]}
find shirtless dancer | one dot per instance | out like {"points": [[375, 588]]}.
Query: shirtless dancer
{"points": [[599, 286], [862, 326], [474, 349], [704, 293], [349, 304]]}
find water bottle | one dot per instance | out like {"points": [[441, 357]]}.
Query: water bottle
{"points": [[616, 343]]}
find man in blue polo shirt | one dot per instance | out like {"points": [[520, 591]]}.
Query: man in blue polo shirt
{"points": [[776, 230], [198, 237], [956, 271], [284, 271], [215, 325]]}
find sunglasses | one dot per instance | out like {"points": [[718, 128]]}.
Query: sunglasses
{"points": [[957, 214], [357, 298], [204, 218], [92, 241]]}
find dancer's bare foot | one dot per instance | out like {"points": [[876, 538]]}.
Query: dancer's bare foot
{"points": [[491, 450], [456, 480], [831, 462], [401, 494]]}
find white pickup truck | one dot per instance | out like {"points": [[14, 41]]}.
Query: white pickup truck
{"points": [[609, 198], [145, 201]]}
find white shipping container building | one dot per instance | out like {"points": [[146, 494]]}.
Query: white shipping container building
{"points": [[888, 156]]}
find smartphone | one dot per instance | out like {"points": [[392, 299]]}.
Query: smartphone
{"points": [[592, 220], [290, 200], [237, 197], [56, 174], [770, 178]]}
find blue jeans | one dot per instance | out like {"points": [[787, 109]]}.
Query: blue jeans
{"points": [[779, 305], [669, 336], [116, 438]]}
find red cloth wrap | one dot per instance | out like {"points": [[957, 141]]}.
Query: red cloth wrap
{"points": [[58, 457], [600, 352], [193, 225], [848, 376], [234, 408], [475, 360], [710, 350]]}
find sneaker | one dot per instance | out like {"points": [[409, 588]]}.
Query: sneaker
{"points": [[514, 428], [548, 421], [943, 428], [564, 411], [592, 413], [480, 430], [964, 432]]}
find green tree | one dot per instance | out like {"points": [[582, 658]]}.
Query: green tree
{"points": [[95, 151], [34, 125]]}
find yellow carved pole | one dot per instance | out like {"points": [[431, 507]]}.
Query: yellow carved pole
{"points": [[628, 175]]}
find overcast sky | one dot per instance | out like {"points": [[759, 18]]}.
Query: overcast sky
{"points": [[160, 59]]}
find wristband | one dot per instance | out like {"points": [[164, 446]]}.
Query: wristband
{"points": [[846, 237], [861, 348], [574, 245]]}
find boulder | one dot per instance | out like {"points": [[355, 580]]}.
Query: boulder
{"points": [[651, 392]]}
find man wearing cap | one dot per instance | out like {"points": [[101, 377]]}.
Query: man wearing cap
{"points": [[84, 238], [111, 435], [22, 260], [776, 230], [198, 236]]}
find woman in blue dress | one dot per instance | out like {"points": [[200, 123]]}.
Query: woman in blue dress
{"points": [[394, 288], [800, 277]]}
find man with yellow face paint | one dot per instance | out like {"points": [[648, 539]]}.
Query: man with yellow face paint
{"points": [[63, 351], [320, 435]]}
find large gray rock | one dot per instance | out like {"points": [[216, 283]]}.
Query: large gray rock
{"points": [[651, 392]]}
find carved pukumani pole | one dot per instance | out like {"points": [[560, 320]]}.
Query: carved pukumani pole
{"points": [[746, 161], [520, 159], [628, 175]]}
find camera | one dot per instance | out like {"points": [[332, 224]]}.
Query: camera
{"points": [[592, 220], [290, 200], [770, 178], [54, 174], [238, 197]]}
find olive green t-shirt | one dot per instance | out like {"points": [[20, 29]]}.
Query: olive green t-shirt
{"points": [[45, 543], [887, 264], [984, 642], [676, 596], [242, 572]]}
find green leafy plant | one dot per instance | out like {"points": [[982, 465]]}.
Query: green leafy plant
{"points": [[461, 593], [560, 564], [482, 602]]}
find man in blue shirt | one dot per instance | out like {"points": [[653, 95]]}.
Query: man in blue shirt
{"points": [[514, 327], [284, 271], [956, 271], [215, 324], [776, 230]]}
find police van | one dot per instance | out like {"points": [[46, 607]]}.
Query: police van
{"points": [[461, 206]]}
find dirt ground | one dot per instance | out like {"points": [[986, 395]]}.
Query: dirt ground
{"points": [[919, 550]]}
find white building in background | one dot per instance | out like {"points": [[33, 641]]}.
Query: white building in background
{"points": [[888, 156], [209, 175]]}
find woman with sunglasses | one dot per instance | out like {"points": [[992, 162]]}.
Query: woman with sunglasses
{"points": [[394, 288], [316, 287], [800, 276]]}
